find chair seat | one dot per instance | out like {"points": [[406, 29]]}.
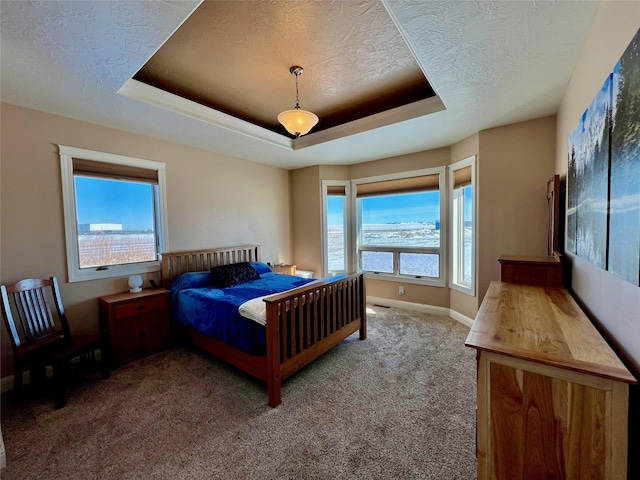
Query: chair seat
{"points": [[68, 348]]}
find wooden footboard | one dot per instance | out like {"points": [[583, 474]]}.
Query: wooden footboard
{"points": [[302, 324]]}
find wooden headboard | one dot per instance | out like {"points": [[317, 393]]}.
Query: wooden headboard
{"points": [[175, 264]]}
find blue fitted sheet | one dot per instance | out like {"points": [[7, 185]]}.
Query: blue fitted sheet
{"points": [[214, 312]]}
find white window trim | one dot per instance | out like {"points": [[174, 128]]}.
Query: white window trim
{"points": [[453, 274], [442, 251], [75, 273], [325, 227]]}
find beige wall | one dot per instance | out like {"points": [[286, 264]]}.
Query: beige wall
{"points": [[514, 164], [413, 293], [612, 302], [213, 200], [306, 208], [404, 163]]}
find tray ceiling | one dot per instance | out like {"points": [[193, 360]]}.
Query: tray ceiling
{"points": [[234, 57]]}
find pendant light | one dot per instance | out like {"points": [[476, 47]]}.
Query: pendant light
{"points": [[298, 122]]}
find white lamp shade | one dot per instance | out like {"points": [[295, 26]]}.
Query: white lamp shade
{"points": [[135, 283], [298, 122]]}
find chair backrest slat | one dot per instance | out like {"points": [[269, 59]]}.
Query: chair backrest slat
{"points": [[29, 315], [33, 311], [7, 314], [36, 313], [45, 310]]}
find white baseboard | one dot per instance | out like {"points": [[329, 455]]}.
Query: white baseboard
{"points": [[463, 319], [420, 307], [6, 383]]}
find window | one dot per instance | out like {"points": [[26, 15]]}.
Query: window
{"points": [[400, 227], [114, 212], [335, 224], [462, 181]]}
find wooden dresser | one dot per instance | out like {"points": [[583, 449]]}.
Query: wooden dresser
{"points": [[552, 395], [531, 270]]}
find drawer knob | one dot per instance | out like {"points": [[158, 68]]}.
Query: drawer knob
{"points": [[141, 307]]}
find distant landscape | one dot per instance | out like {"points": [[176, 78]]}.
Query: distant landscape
{"points": [[102, 249], [406, 234], [96, 250]]}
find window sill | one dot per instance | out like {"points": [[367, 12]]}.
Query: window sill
{"points": [[113, 271], [463, 289], [405, 279]]}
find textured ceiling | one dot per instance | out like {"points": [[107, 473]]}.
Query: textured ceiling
{"points": [[491, 63], [234, 56]]}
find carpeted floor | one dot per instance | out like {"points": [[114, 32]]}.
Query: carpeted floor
{"points": [[400, 404]]}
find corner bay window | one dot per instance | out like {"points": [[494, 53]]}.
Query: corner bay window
{"points": [[400, 226], [462, 179], [393, 226], [335, 226], [114, 213]]}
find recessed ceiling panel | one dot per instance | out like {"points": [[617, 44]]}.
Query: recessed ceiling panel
{"points": [[234, 57]]}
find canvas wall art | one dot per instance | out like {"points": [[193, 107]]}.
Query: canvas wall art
{"points": [[624, 209], [603, 174], [588, 168]]}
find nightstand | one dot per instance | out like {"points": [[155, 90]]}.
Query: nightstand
{"points": [[286, 269], [135, 324]]}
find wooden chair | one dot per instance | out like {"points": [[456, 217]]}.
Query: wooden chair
{"points": [[41, 338]]}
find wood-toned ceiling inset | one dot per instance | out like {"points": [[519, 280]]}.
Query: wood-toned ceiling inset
{"points": [[234, 57]]}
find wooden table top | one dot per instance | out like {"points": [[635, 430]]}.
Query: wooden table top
{"points": [[124, 296], [545, 325]]}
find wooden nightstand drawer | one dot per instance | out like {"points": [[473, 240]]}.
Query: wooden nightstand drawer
{"points": [[140, 307]]}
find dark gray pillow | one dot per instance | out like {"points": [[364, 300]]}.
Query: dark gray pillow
{"points": [[226, 276]]}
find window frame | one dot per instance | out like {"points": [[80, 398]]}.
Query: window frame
{"points": [[441, 251], [347, 217], [74, 272], [457, 232]]}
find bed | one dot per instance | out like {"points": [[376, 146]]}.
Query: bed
{"points": [[301, 323]]}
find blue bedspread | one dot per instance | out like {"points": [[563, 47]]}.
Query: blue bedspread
{"points": [[214, 312]]}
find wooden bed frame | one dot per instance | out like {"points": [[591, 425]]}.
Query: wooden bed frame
{"points": [[302, 324]]}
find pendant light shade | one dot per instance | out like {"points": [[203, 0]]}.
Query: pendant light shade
{"points": [[298, 122]]}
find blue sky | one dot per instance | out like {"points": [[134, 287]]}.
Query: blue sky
{"points": [[408, 207], [108, 201], [131, 204]]}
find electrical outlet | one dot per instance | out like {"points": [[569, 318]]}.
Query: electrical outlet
{"points": [[401, 290]]}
